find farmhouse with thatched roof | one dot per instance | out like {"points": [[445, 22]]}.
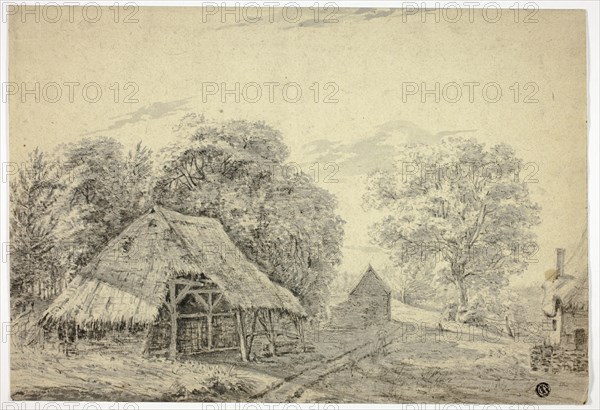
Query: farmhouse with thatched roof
{"points": [[565, 301], [181, 278]]}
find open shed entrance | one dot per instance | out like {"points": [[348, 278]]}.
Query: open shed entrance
{"points": [[196, 317], [205, 323]]}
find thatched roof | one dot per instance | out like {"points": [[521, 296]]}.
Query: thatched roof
{"points": [[127, 281], [570, 290]]}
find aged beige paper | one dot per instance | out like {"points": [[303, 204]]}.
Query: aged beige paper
{"points": [[304, 205]]}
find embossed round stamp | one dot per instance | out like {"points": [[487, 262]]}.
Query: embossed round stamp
{"points": [[542, 389]]}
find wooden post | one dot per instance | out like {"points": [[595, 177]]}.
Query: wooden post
{"points": [[173, 309], [239, 316], [252, 331], [147, 341], [266, 320], [272, 334], [209, 319], [58, 337], [300, 328]]}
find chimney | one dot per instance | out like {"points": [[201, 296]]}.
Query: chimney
{"points": [[560, 262]]}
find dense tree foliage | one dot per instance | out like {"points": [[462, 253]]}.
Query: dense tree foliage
{"points": [[34, 246], [105, 189], [236, 172], [64, 208], [461, 204]]}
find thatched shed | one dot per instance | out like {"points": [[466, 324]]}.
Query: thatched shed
{"points": [[183, 279]]}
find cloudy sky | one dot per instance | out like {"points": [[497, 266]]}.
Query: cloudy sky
{"points": [[358, 102]]}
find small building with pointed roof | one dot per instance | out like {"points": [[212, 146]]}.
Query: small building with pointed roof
{"points": [[369, 302]]}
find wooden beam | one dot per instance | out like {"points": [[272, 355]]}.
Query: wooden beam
{"points": [[216, 349], [182, 294], [196, 282], [216, 303], [200, 300], [223, 349], [272, 334], [199, 284], [205, 291], [147, 341], [200, 315], [239, 315], [209, 322], [266, 320], [252, 331], [173, 311], [300, 328]]}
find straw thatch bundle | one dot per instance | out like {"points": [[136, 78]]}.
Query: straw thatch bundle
{"points": [[127, 281], [571, 292]]}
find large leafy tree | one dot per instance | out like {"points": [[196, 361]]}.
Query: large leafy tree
{"points": [[463, 205], [236, 172]]}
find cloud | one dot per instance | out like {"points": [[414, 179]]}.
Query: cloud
{"points": [[355, 158], [415, 134], [149, 112], [329, 18], [370, 14], [375, 152]]}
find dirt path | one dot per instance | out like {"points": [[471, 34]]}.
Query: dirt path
{"points": [[292, 387], [447, 371]]}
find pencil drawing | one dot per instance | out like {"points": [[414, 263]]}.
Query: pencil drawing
{"points": [[372, 251]]}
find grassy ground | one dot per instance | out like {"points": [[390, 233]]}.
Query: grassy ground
{"points": [[415, 371], [121, 374], [467, 365], [398, 365]]}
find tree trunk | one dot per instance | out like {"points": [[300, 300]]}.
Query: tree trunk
{"points": [[462, 290], [458, 272], [403, 296]]}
